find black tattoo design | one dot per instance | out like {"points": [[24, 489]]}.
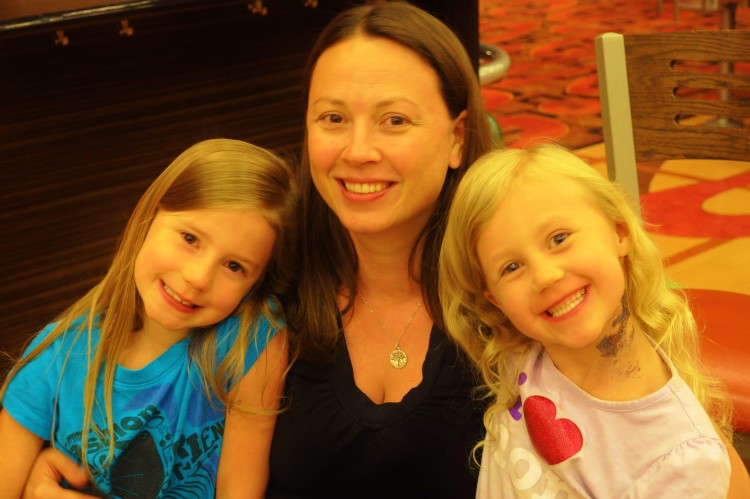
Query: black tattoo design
{"points": [[611, 344]]}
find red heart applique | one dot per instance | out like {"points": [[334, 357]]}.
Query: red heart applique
{"points": [[555, 439]]}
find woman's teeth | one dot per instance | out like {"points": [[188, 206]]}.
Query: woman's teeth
{"points": [[365, 188]]}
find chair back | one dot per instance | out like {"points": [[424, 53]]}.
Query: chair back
{"points": [[672, 96]]}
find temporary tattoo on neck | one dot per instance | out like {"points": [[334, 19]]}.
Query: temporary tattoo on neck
{"points": [[632, 370], [611, 344]]}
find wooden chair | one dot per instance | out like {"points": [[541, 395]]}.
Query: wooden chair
{"points": [[675, 96], [652, 89]]}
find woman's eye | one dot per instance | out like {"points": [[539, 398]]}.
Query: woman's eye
{"points": [[189, 238], [396, 120], [235, 267], [333, 118]]}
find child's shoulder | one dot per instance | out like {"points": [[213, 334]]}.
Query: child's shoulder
{"points": [[67, 333], [269, 318]]}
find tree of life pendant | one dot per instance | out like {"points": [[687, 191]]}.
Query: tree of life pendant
{"points": [[398, 358]]}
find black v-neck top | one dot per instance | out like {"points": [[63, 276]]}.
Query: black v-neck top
{"points": [[334, 442]]}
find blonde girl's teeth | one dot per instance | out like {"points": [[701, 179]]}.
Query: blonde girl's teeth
{"points": [[567, 306]]}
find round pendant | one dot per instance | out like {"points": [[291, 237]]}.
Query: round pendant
{"points": [[398, 358]]}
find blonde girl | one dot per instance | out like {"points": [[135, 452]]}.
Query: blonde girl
{"points": [[552, 286], [133, 379]]}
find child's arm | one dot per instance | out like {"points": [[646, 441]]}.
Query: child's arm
{"points": [[18, 451], [244, 461], [739, 481]]}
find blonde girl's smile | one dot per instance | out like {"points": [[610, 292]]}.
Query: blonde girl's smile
{"points": [[568, 305], [553, 263], [196, 266]]}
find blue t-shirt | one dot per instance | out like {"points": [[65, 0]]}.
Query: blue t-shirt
{"points": [[168, 433]]}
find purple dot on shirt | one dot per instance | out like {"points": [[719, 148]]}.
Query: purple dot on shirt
{"points": [[515, 411]]}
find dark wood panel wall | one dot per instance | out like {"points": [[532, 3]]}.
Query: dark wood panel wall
{"points": [[86, 126], [94, 104]]}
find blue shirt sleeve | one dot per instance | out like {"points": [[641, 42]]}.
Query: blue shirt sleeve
{"points": [[227, 333], [30, 396]]}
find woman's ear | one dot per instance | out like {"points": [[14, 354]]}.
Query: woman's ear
{"points": [[459, 135]]}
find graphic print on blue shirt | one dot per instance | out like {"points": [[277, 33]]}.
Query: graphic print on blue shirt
{"points": [[174, 446]]}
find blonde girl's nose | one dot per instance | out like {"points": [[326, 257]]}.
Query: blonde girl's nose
{"points": [[546, 273]]}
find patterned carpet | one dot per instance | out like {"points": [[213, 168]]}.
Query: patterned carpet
{"points": [[550, 89], [699, 210]]}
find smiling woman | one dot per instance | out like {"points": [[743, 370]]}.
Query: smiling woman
{"points": [[379, 143], [379, 399]]}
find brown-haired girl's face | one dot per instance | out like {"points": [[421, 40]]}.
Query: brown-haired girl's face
{"points": [[380, 137], [195, 266]]}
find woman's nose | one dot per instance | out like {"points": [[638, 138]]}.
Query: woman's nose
{"points": [[361, 147]]}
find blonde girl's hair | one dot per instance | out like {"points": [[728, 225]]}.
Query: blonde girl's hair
{"points": [[217, 173], [489, 338]]}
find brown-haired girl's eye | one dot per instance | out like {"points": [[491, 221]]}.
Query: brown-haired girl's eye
{"points": [[235, 267]]}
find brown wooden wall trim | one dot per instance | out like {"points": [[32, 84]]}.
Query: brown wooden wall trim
{"points": [[85, 127]]}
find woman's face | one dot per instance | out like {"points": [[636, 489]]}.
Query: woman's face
{"points": [[380, 138]]}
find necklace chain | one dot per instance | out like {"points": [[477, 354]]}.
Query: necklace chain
{"points": [[398, 357]]}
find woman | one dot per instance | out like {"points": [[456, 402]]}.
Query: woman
{"points": [[380, 403]]}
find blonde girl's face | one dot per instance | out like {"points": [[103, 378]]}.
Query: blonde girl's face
{"points": [[196, 266], [553, 263], [380, 137]]}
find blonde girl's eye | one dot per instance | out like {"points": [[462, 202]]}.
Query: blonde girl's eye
{"points": [[235, 267], [189, 238], [560, 238]]}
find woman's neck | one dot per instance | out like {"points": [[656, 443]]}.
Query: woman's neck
{"points": [[384, 267]]}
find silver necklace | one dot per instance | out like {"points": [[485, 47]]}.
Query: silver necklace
{"points": [[398, 357]]}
